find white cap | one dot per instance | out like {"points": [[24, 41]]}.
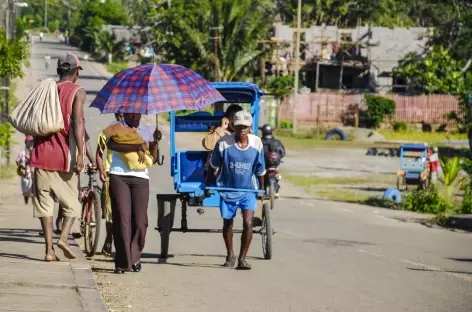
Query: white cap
{"points": [[242, 118]]}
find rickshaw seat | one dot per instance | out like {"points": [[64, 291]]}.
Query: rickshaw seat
{"points": [[192, 168]]}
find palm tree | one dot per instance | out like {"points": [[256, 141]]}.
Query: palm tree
{"points": [[209, 34]]}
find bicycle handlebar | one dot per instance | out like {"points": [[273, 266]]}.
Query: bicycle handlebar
{"points": [[89, 169]]}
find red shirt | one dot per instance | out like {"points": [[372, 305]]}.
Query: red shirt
{"points": [[434, 161], [58, 152]]}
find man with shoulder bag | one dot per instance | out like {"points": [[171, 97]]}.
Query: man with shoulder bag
{"points": [[58, 159]]}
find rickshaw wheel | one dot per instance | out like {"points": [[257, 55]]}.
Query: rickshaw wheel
{"points": [[266, 232]]}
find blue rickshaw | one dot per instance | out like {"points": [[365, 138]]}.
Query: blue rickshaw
{"points": [[188, 168], [413, 166]]}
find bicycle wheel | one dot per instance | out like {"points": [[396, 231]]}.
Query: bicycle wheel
{"points": [[92, 223]]}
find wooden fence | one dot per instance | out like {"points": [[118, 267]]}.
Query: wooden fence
{"points": [[337, 108]]}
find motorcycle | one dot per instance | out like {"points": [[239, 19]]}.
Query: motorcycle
{"points": [[272, 177]]}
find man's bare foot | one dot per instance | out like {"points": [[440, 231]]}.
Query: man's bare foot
{"points": [[66, 249], [51, 256]]}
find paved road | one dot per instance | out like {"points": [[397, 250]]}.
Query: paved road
{"points": [[328, 256]]}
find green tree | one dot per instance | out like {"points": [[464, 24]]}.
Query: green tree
{"points": [[14, 54], [346, 13], [436, 72], [53, 25], [185, 35], [281, 87], [93, 15]]}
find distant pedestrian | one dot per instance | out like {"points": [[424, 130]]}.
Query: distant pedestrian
{"points": [[47, 61], [58, 160], [434, 165], [24, 171]]}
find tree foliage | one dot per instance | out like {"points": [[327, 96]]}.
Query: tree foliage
{"points": [[93, 15], [281, 86], [14, 54], [188, 30], [436, 72]]}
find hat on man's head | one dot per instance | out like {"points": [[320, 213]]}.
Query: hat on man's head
{"points": [[68, 62], [243, 118]]}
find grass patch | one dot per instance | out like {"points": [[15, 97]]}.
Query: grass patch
{"points": [[428, 137], [115, 68], [308, 181], [7, 172], [335, 194]]}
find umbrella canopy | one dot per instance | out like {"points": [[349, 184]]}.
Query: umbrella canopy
{"points": [[152, 89]]}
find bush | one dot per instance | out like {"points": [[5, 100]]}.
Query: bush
{"points": [[19, 28], [466, 206], [6, 134], [377, 109], [400, 126], [53, 26], [427, 201], [285, 124], [467, 165]]}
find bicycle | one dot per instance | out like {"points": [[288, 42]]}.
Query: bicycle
{"points": [[91, 212]]}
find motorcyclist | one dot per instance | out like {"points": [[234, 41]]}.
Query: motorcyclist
{"points": [[272, 145]]}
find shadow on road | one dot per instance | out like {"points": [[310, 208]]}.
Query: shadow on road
{"points": [[18, 256], [439, 271], [85, 77], [92, 92], [461, 259], [367, 188], [20, 236], [102, 270]]}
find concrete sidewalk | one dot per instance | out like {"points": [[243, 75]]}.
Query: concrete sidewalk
{"points": [[27, 283]]}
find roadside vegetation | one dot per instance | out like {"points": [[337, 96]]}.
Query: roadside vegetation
{"points": [[451, 195], [115, 68]]}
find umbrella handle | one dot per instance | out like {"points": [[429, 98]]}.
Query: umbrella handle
{"points": [[160, 159]]}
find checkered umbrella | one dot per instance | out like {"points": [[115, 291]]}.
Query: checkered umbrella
{"points": [[152, 89]]}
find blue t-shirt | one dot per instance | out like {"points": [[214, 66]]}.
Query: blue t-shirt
{"points": [[238, 167]]}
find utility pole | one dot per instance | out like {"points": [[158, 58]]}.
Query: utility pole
{"points": [[45, 13], [10, 34], [68, 20], [216, 39], [219, 107], [297, 65], [262, 67]]}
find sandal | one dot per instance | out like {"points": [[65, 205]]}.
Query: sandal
{"points": [[106, 250], [230, 261], [243, 265]]}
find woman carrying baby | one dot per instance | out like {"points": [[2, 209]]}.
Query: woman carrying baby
{"points": [[134, 149]]}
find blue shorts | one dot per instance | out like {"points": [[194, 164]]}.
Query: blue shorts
{"points": [[228, 209]]}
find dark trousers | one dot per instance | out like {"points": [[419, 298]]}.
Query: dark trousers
{"points": [[129, 203]]}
